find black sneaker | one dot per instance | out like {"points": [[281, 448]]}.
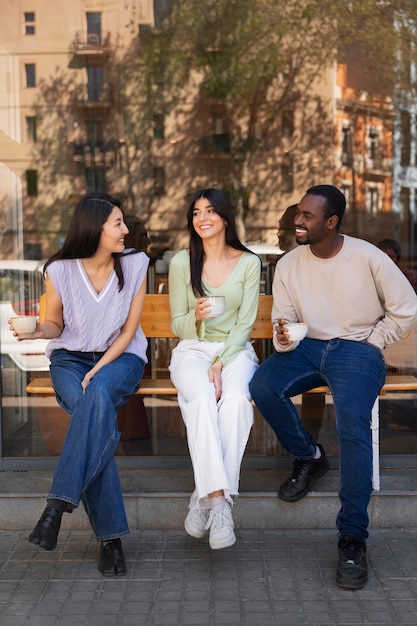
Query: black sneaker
{"points": [[352, 569], [304, 475]]}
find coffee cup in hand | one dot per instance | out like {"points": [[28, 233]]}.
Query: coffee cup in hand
{"points": [[296, 330], [24, 325], [217, 304]]}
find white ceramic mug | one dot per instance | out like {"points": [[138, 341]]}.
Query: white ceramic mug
{"points": [[24, 325], [297, 330], [217, 304]]}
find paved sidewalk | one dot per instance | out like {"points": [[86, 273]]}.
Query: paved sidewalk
{"points": [[270, 577]]}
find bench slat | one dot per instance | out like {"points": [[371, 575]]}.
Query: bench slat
{"points": [[163, 386]]}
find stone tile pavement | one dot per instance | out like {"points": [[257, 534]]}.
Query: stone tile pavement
{"points": [[270, 577]]}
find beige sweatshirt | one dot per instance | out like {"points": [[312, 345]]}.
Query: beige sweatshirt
{"points": [[359, 294]]}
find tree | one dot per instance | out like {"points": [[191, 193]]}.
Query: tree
{"points": [[240, 81], [259, 61]]}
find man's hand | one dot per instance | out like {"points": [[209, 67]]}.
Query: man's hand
{"points": [[282, 333]]}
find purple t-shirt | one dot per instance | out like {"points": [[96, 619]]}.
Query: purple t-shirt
{"points": [[92, 320]]}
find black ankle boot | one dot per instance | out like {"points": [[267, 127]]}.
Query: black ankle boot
{"points": [[112, 560], [45, 533]]}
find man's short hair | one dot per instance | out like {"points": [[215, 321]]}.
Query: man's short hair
{"points": [[335, 200]]}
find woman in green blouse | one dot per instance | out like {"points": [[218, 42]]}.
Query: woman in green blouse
{"points": [[214, 361]]}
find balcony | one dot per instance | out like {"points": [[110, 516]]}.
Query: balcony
{"points": [[98, 154], [378, 166], [88, 46], [94, 97]]}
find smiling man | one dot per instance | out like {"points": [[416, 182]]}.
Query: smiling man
{"points": [[356, 302]]}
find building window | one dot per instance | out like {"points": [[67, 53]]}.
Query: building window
{"points": [[405, 139], [347, 146], [94, 28], [219, 121], [158, 125], [405, 201], [30, 73], [158, 181], [29, 23], [287, 175], [372, 200], [161, 11], [31, 128], [374, 148], [95, 78], [32, 182], [287, 121], [95, 135], [95, 179], [347, 192]]}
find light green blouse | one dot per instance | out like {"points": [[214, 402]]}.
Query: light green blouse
{"points": [[241, 291]]}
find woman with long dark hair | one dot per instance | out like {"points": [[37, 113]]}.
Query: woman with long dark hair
{"points": [[214, 360], [95, 293]]}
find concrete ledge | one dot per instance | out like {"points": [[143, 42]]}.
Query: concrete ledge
{"points": [[158, 499]]}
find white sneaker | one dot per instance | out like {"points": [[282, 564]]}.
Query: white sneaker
{"points": [[221, 527], [196, 520]]}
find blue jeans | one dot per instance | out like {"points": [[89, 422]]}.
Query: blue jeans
{"points": [[87, 469], [355, 372]]}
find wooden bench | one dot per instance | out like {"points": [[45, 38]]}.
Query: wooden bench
{"points": [[156, 324]]}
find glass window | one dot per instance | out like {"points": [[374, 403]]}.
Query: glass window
{"points": [[372, 199], [94, 28], [347, 146], [31, 127], [287, 174], [32, 182], [159, 181], [374, 147], [158, 125], [30, 71], [287, 123], [95, 179], [29, 23], [405, 137], [95, 78], [151, 101]]}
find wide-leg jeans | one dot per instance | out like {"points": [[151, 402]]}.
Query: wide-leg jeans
{"points": [[86, 468], [355, 372]]}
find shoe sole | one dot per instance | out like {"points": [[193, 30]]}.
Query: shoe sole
{"points": [[39, 544], [303, 493], [194, 534], [345, 584], [224, 544], [108, 574]]}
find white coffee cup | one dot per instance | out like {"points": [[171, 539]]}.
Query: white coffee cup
{"points": [[296, 330], [24, 325], [217, 304]]}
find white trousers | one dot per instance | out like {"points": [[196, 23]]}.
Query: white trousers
{"points": [[217, 432]]}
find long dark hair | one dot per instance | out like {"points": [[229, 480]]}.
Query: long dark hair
{"points": [[222, 207], [84, 231]]}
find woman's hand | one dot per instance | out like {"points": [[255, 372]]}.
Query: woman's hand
{"points": [[37, 333], [282, 333], [86, 380], [215, 377], [202, 309]]}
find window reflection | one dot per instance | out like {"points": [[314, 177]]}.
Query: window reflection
{"points": [[116, 101]]}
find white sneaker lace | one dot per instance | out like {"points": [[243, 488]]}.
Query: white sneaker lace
{"points": [[219, 518]]}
